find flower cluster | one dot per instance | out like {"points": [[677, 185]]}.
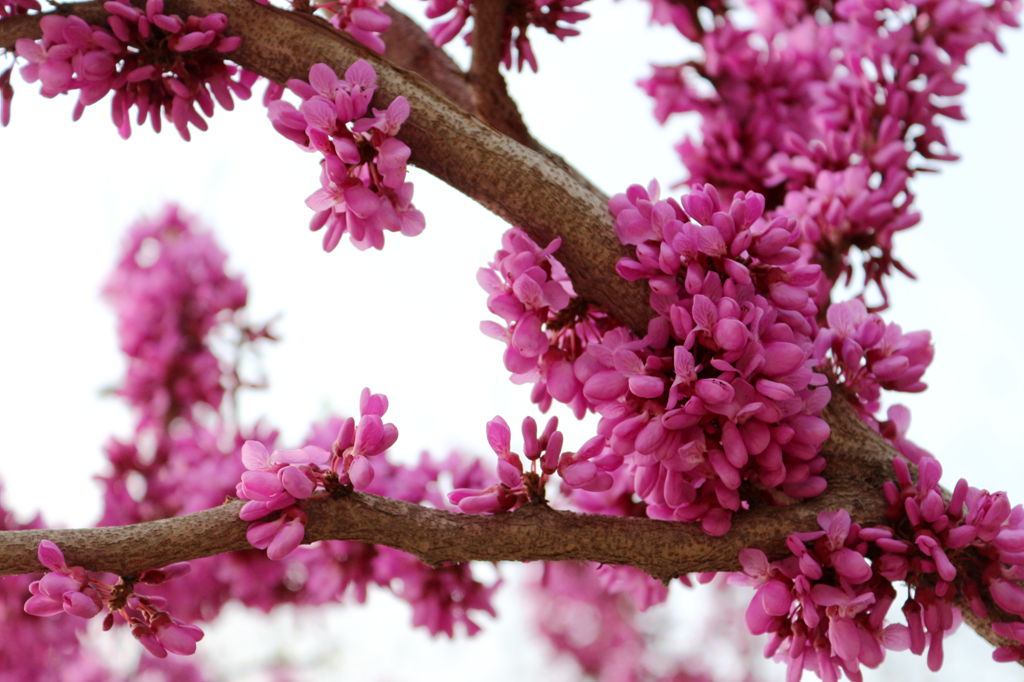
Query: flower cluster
{"points": [[516, 487], [361, 19], [866, 355], [280, 480], [152, 62], [974, 524], [721, 390], [72, 590], [546, 327], [823, 606], [195, 464], [64, 589], [826, 605], [364, 191], [829, 114], [356, 443], [277, 482], [554, 16], [170, 292], [442, 598]]}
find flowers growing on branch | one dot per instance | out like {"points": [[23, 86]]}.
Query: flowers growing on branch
{"points": [[361, 19], [829, 112], [364, 191], [279, 481], [554, 16], [157, 64], [517, 487], [77, 592], [721, 390]]}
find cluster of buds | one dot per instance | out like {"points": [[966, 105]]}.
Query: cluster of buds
{"points": [[585, 469], [826, 605], [976, 525], [823, 606], [361, 19], [546, 327], [364, 190], [171, 293], [282, 480], [152, 62], [75, 591], [722, 389], [866, 355], [554, 16]]}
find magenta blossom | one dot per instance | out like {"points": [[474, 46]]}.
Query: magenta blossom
{"points": [[554, 16], [516, 486], [364, 191], [63, 589], [867, 355], [545, 326], [128, 57], [75, 591], [279, 482], [361, 19]]}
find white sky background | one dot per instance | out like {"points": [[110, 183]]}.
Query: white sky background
{"points": [[404, 321]]}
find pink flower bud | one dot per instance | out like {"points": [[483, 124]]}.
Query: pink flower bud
{"points": [[79, 604], [360, 472], [295, 482], [50, 556]]}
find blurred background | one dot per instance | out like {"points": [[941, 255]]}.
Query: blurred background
{"points": [[405, 322]]}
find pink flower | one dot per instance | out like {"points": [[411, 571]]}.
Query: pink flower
{"points": [[361, 19], [129, 60], [63, 589], [175, 636], [731, 289], [515, 487], [281, 536], [364, 191], [356, 444]]}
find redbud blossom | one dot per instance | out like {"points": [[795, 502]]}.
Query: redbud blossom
{"points": [[364, 190], [78, 592], [554, 16], [129, 58]]}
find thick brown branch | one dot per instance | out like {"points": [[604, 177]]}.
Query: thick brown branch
{"points": [[486, 40]]}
